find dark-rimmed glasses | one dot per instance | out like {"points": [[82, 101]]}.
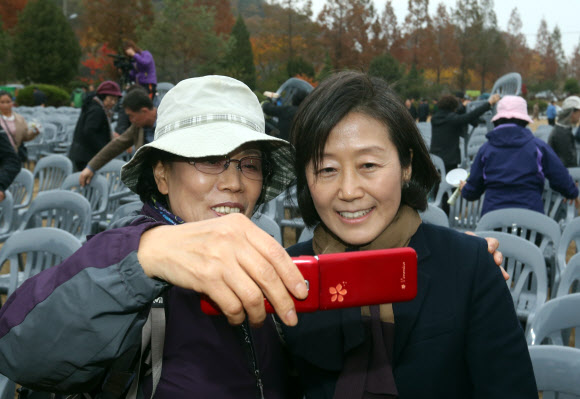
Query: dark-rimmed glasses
{"points": [[253, 167]]}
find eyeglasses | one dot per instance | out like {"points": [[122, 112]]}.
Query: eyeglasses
{"points": [[254, 168]]}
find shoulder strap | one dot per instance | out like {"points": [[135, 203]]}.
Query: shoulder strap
{"points": [[152, 336]]}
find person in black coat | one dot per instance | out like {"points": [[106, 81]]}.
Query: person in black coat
{"points": [[93, 129], [9, 164], [447, 126], [285, 113]]}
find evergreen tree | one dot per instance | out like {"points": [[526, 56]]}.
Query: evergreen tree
{"points": [[45, 47], [6, 69], [298, 65], [326, 70], [239, 61], [387, 67]]}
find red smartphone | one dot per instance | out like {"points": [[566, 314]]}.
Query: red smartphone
{"points": [[351, 279]]}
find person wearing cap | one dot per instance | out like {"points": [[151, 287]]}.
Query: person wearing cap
{"points": [[561, 138], [93, 129], [208, 169], [512, 165]]}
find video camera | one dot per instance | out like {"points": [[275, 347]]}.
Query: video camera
{"points": [[125, 64]]}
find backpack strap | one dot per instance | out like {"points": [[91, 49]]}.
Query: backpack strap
{"points": [[153, 337]]}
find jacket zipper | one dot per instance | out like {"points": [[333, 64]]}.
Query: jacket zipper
{"points": [[252, 358]]}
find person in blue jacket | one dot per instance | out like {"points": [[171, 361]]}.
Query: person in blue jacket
{"points": [[551, 113], [512, 165], [363, 173]]}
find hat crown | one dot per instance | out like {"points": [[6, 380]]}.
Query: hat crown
{"points": [[198, 101], [512, 107], [571, 102], [109, 87]]}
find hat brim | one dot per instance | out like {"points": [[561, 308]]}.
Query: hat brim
{"points": [[512, 115], [217, 138]]}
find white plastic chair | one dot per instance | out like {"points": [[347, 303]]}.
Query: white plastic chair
{"points": [[570, 234], [553, 321], [7, 388], [557, 370], [6, 215], [535, 227], [43, 247], [269, 225], [434, 215], [464, 215], [61, 209], [525, 264], [96, 192], [51, 171], [21, 188], [570, 278]]}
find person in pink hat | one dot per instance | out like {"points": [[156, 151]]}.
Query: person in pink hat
{"points": [[512, 165], [93, 129]]}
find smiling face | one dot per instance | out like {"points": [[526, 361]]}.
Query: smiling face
{"points": [[196, 196], [356, 189], [110, 101]]}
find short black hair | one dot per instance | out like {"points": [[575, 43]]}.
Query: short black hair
{"points": [[329, 103], [137, 98], [298, 97]]}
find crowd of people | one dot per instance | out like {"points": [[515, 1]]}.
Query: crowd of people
{"points": [[203, 167]]}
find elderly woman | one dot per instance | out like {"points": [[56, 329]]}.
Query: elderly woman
{"points": [[15, 125], [363, 172], [210, 166]]}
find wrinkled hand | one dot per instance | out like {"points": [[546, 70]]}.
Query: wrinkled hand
{"points": [[2, 196], [461, 184], [229, 259], [85, 177], [492, 248]]}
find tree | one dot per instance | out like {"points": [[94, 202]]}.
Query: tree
{"points": [[574, 64], [418, 25], [51, 50], [112, 21], [299, 66], [239, 60], [468, 32], [445, 46], [571, 86], [9, 10], [519, 54], [176, 58], [6, 69], [326, 70], [385, 66]]}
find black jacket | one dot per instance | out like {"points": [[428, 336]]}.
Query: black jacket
{"points": [[285, 115], [92, 132], [455, 340], [447, 127], [9, 162], [563, 143]]}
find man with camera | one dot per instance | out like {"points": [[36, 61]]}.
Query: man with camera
{"points": [[143, 67]]}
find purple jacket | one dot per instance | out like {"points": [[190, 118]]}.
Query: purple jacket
{"points": [[144, 72], [62, 329], [511, 168]]}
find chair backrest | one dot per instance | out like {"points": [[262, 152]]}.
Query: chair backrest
{"points": [[570, 277], [508, 84], [21, 189], [269, 225], [464, 215], [425, 129], [97, 192], [557, 369], [44, 247], [553, 317], [535, 227], [571, 233], [306, 234], [531, 225], [434, 215], [525, 264], [439, 165], [61, 209], [6, 214], [51, 171], [117, 189]]}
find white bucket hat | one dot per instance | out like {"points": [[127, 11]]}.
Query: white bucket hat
{"points": [[212, 116]]}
